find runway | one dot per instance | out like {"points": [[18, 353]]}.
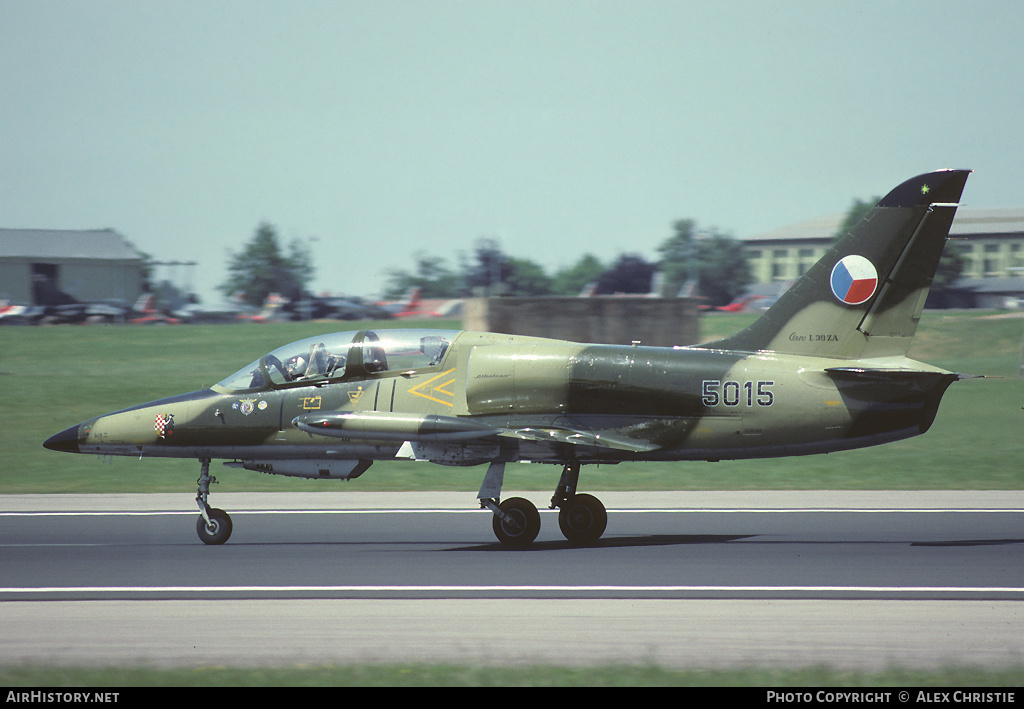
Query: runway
{"points": [[860, 580]]}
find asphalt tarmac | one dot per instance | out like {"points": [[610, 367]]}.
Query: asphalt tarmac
{"points": [[858, 580]]}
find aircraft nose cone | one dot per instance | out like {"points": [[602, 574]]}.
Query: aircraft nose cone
{"points": [[66, 440]]}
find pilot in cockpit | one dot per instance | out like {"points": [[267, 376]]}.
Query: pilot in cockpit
{"points": [[295, 368]]}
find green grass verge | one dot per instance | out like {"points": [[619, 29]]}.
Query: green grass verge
{"points": [[51, 378], [426, 675], [54, 377]]}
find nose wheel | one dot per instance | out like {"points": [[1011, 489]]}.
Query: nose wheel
{"points": [[213, 525], [217, 529]]}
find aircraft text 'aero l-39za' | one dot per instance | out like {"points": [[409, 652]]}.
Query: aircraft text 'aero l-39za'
{"points": [[824, 369]]}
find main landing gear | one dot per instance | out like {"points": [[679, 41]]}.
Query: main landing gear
{"points": [[213, 525], [581, 517]]}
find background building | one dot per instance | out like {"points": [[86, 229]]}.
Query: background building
{"points": [[54, 267], [607, 319], [991, 242]]}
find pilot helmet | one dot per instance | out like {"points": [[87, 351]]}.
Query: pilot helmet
{"points": [[296, 366]]}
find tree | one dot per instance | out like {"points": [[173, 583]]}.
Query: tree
{"points": [[526, 278], [431, 275], [261, 268], [491, 271], [714, 259], [631, 273], [857, 211], [572, 280], [951, 267]]}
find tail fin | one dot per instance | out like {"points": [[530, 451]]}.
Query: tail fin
{"points": [[864, 297]]}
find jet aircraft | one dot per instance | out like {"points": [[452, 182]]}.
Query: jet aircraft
{"points": [[824, 369]]}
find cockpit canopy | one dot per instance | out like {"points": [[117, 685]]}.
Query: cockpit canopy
{"points": [[342, 355]]}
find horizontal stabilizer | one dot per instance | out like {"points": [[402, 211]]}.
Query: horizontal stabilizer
{"points": [[891, 374]]}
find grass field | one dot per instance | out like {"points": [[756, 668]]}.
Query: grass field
{"points": [[54, 377], [51, 378]]}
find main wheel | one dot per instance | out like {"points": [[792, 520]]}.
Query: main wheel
{"points": [[524, 525], [582, 519], [218, 530]]}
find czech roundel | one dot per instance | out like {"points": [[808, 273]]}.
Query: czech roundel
{"points": [[854, 280]]}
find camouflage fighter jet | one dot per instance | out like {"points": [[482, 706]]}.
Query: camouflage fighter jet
{"points": [[824, 369]]}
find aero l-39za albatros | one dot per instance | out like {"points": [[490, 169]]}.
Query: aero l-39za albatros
{"points": [[824, 369]]}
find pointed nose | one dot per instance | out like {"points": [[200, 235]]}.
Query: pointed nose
{"points": [[66, 440]]}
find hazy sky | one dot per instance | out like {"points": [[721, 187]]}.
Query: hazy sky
{"points": [[380, 129]]}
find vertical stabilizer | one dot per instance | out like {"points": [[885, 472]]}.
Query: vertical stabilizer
{"points": [[864, 297]]}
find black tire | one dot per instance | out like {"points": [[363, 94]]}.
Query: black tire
{"points": [[525, 525], [582, 519], [219, 529]]}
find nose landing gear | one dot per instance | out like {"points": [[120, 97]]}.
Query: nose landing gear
{"points": [[213, 525]]}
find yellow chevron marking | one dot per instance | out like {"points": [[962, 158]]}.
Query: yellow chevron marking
{"points": [[438, 389]]}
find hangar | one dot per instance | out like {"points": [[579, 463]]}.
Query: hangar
{"points": [[990, 241], [56, 267]]}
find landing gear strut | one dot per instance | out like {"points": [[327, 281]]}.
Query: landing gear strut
{"points": [[213, 525], [516, 520], [581, 517]]}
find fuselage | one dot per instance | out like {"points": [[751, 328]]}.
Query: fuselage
{"points": [[464, 398]]}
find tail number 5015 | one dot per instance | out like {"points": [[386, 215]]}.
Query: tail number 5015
{"points": [[729, 393]]}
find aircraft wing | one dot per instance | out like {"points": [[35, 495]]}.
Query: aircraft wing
{"points": [[382, 425], [379, 425], [550, 434]]}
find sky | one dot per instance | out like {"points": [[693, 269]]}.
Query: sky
{"points": [[374, 131]]}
